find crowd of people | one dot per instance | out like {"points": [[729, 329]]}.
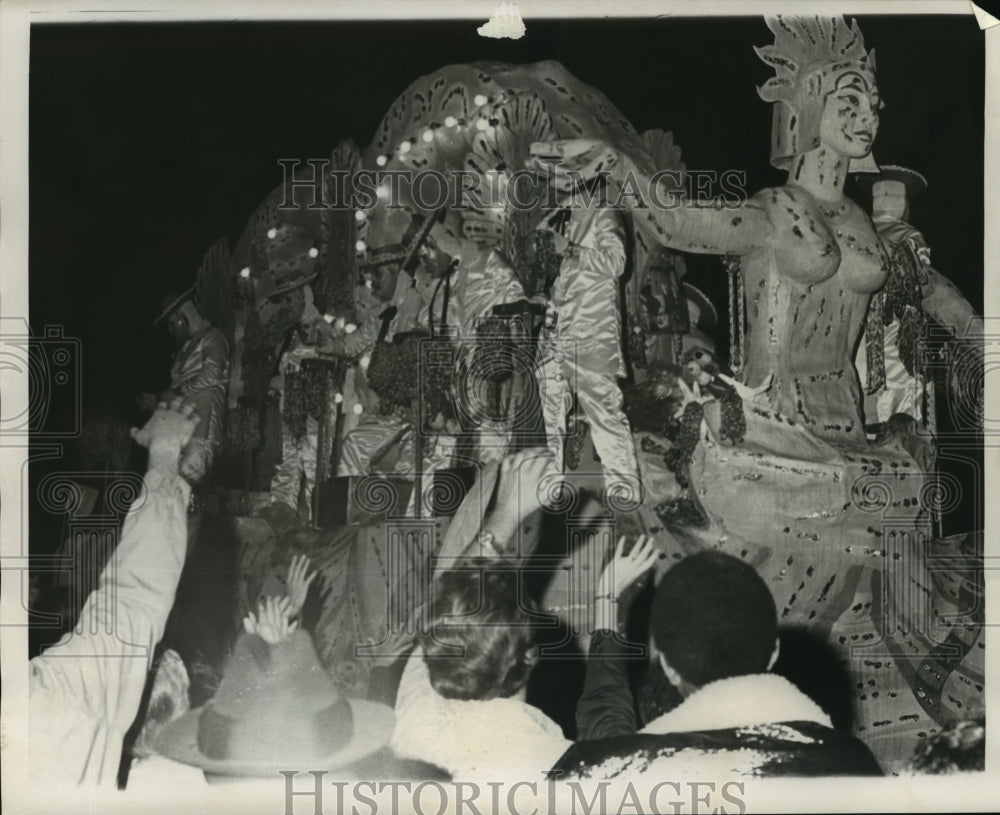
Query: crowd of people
{"points": [[455, 703]]}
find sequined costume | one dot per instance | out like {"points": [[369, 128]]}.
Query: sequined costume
{"points": [[296, 472], [461, 303], [200, 374], [889, 361], [377, 434], [582, 353]]}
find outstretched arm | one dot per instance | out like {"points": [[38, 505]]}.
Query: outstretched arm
{"points": [[689, 225], [606, 707], [85, 691]]}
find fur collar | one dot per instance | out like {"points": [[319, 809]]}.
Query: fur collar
{"points": [[740, 701]]}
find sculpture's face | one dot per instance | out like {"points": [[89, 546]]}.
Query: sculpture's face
{"points": [[850, 115]]}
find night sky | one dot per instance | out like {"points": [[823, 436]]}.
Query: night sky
{"points": [[150, 141]]}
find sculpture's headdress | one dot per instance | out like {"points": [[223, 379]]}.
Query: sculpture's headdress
{"points": [[808, 55]]}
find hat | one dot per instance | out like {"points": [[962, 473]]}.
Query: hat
{"points": [[708, 315], [291, 256], [276, 708], [171, 302], [914, 182], [405, 252]]}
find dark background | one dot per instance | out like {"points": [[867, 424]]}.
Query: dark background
{"points": [[150, 141]]}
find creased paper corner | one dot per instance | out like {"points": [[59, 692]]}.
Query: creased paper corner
{"points": [[505, 22], [984, 18]]}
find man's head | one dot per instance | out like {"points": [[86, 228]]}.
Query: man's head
{"points": [[892, 189], [435, 262], [276, 707], [180, 315], [480, 641], [712, 618], [889, 202]]}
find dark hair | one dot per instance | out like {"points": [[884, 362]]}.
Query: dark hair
{"points": [[480, 641], [960, 747], [713, 617]]}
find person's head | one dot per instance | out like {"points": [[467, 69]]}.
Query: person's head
{"points": [[434, 261], [276, 707], [892, 189], [286, 306], [824, 90], [480, 641], [713, 618], [180, 316], [889, 202], [960, 747]]}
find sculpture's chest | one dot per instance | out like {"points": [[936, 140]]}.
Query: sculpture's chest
{"points": [[816, 242]]}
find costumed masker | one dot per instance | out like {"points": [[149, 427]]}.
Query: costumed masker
{"points": [[385, 345], [889, 360], [472, 280], [289, 259], [200, 375], [580, 349], [300, 421]]}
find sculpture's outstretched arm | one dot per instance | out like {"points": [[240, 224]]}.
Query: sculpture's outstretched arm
{"points": [[681, 224], [708, 229]]}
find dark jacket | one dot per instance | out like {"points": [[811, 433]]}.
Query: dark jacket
{"points": [[755, 725]]}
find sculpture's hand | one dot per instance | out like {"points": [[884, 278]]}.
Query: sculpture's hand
{"points": [[745, 391], [690, 394], [572, 161]]}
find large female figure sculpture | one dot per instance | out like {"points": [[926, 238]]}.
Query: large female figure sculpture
{"points": [[838, 527]]}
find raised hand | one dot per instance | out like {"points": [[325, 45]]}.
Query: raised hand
{"points": [[690, 394], [271, 623], [624, 569], [167, 431], [298, 583]]}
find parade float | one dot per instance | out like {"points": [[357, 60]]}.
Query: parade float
{"points": [[767, 459]]}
